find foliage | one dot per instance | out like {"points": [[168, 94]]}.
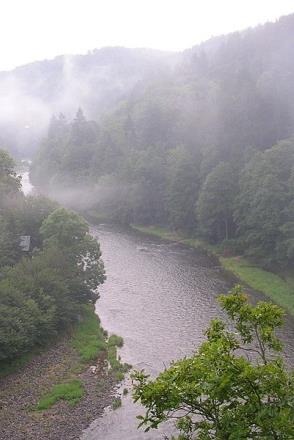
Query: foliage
{"points": [[208, 134], [216, 201], [117, 367], [182, 189], [236, 386], [69, 232], [263, 210], [88, 338], [9, 182], [10, 197], [115, 340], [43, 292], [71, 392], [30, 215], [9, 241]]}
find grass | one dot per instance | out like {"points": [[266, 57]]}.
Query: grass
{"points": [[157, 231], [115, 340], [71, 392], [96, 217], [116, 403], [280, 290], [165, 234], [270, 284], [89, 338], [117, 367]]}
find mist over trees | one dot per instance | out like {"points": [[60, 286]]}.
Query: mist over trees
{"points": [[97, 81], [199, 142], [200, 148]]}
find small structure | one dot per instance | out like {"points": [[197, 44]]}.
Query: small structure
{"points": [[25, 242]]}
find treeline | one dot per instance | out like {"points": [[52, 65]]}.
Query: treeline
{"points": [[42, 289], [201, 150], [97, 81]]}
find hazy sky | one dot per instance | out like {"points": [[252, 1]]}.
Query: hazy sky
{"points": [[37, 29]]}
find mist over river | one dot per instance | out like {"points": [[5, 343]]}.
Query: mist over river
{"points": [[160, 298]]}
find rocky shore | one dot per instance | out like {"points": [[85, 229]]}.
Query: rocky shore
{"points": [[21, 391]]}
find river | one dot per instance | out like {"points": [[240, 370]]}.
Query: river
{"points": [[160, 298]]}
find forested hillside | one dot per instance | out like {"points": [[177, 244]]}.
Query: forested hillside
{"points": [[205, 148], [97, 81]]}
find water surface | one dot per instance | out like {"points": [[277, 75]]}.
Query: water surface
{"points": [[160, 298]]}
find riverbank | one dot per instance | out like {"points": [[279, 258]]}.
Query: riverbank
{"points": [[60, 391], [280, 290]]}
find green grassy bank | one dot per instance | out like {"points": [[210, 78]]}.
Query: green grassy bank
{"points": [[91, 343], [280, 290], [87, 344]]}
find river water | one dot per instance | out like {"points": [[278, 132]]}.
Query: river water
{"points": [[159, 297]]}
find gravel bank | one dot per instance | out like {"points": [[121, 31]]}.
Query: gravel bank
{"points": [[20, 392]]}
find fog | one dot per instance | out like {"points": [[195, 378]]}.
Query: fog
{"points": [[196, 147], [31, 94]]}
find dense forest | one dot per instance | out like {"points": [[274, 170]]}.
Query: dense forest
{"points": [[205, 148], [44, 286]]}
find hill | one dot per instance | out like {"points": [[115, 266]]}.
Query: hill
{"points": [[205, 147], [96, 82]]}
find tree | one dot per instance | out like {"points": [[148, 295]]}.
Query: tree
{"points": [[64, 228], [263, 210], [9, 242], [182, 189], [58, 128], [285, 248], [9, 182], [235, 387], [216, 203], [10, 199], [29, 217], [69, 232], [19, 322], [43, 293]]}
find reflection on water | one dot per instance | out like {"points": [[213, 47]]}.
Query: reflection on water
{"points": [[159, 297]]}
